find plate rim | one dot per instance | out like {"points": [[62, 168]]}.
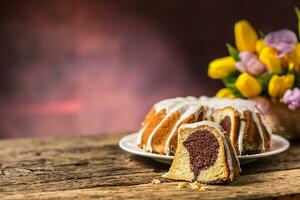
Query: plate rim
{"points": [[284, 147]]}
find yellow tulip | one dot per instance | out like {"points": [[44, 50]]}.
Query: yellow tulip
{"points": [[245, 36], [293, 58], [248, 85], [294, 68], [225, 93], [260, 44], [269, 58], [220, 67], [278, 85]]}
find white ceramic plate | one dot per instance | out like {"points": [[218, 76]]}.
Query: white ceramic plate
{"points": [[128, 143]]}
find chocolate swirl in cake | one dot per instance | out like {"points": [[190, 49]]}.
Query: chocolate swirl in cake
{"points": [[226, 124], [203, 150]]}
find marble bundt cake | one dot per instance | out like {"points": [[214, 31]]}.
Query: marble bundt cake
{"points": [[204, 154], [243, 122]]}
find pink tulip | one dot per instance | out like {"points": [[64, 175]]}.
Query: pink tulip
{"points": [[292, 98], [261, 103], [284, 41], [250, 63]]}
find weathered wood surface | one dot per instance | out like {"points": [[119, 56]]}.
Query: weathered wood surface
{"points": [[95, 167]]}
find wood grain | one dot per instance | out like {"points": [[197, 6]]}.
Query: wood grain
{"points": [[95, 167]]}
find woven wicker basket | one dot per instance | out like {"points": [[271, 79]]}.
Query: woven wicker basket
{"points": [[283, 121]]}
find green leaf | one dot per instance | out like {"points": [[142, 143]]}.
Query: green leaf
{"points": [[298, 18], [297, 84], [261, 34], [296, 74], [229, 82], [234, 90], [231, 77], [233, 52], [264, 80]]}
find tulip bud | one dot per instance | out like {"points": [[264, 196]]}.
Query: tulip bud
{"points": [[269, 58], [284, 41], [274, 86], [293, 58], [250, 64], [248, 85], [225, 93], [245, 36], [278, 85], [221, 67], [292, 98], [260, 44]]}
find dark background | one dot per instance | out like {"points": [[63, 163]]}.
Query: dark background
{"points": [[74, 67]]}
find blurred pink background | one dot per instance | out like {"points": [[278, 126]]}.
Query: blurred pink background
{"points": [[71, 67]]}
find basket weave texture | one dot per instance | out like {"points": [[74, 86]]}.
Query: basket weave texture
{"points": [[283, 121]]}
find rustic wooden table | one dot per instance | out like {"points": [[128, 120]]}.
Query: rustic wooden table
{"points": [[95, 167]]}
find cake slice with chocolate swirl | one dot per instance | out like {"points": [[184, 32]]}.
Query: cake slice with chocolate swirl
{"points": [[205, 154]]}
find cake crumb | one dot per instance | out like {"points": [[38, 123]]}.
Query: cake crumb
{"points": [[198, 186], [155, 182], [182, 185], [194, 186]]}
